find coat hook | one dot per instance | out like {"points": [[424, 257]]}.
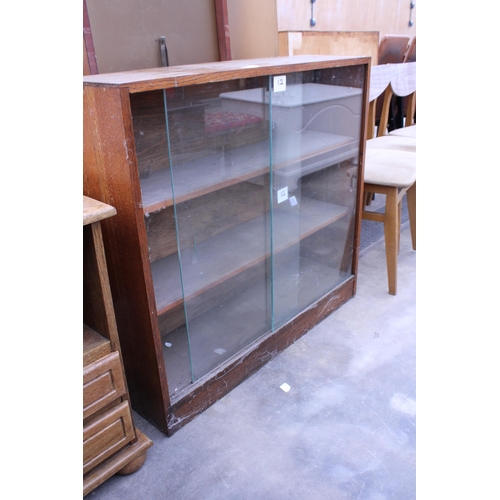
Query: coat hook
{"points": [[163, 51], [313, 20]]}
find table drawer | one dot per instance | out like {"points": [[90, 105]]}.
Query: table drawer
{"points": [[103, 382], [106, 434]]}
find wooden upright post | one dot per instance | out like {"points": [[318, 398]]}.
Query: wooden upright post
{"points": [[223, 30]]}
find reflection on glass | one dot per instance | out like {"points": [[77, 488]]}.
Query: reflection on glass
{"points": [[221, 201], [314, 149], [250, 189]]}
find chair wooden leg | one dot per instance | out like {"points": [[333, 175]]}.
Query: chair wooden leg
{"points": [[400, 218], [411, 198], [368, 199], [391, 238]]}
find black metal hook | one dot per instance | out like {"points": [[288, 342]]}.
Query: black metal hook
{"points": [[313, 20], [412, 6], [163, 52]]}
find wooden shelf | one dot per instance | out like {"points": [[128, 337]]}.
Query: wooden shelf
{"points": [[201, 176], [238, 248], [215, 328], [95, 346]]}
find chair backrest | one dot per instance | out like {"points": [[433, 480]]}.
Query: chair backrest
{"points": [[403, 84], [380, 79], [411, 53], [392, 49]]}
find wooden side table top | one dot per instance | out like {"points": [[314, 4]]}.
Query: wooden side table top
{"points": [[94, 211]]}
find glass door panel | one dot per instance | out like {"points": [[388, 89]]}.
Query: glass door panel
{"points": [[316, 120], [219, 153], [153, 158], [263, 175]]}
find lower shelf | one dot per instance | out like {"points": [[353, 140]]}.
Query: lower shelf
{"points": [[133, 454], [95, 346], [244, 246], [222, 332], [209, 389]]}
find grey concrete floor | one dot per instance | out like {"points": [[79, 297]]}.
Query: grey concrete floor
{"points": [[344, 430]]}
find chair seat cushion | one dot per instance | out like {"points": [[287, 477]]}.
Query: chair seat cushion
{"points": [[393, 142], [390, 167], [410, 131]]}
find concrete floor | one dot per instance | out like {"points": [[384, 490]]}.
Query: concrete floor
{"points": [[344, 430]]}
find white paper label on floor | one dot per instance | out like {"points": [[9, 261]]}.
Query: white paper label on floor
{"points": [[219, 351], [279, 83], [285, 387], [282, 194], [293, 201], [168, 344]]}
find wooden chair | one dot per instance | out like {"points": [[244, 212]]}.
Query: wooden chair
{"points": [[392, 49], [401, 138], [408, 131], [381, 77], [410, 56], [393, 173], [390, 169], [403, 84], [411, 53]]}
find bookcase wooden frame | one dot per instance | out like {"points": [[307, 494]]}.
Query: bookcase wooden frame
{"points": [[111, 175]]}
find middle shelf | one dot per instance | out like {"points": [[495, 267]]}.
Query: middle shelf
{"points": [[226, 254]]}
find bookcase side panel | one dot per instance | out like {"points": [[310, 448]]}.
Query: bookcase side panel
{"points": [[110, 175]]}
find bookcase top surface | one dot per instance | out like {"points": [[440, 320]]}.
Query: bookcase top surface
{"points": [[191, 74]]}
